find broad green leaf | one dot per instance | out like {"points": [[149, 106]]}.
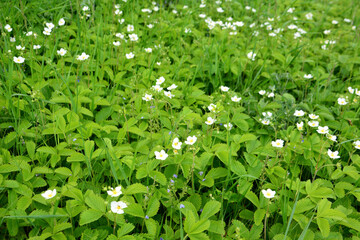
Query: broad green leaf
{"points": [[94, 201], [259, 216], [89, 216], [324, 226], [135, 188], [210, 209]]}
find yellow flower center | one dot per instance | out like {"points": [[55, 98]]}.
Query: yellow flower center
{"points": [[118, 207], [268, 194], [50, 195]]}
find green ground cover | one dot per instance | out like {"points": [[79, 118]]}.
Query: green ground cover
{"points": [[180, 120]]}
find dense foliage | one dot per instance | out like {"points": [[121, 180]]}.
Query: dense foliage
{"points": [[179, 120]]}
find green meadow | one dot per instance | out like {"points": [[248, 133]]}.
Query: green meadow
{"points": [[180, 119]]}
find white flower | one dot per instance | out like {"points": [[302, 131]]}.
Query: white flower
{"points": [[239, 24], [313, 123], [333, 155], [351, 90], [133, 37], [247, 7], [129, 55], [323, 47], [308, 76], [168, 94], [271, 95], [290, 10], [12, 39], [220, 10], [117, 43], [83, 57], [331, 137], [117, 207], [85, 8], [19, 59], [267, 114], [212, 107], [300, 126], [191, 140], [36, 47], [50, 25], [118, 12], [117, 6], [62, 52], [120, 35], [262, 92], [210, 121], [19, 47], [224, 89], [162, 155], [299, 113], [278, 143], [147, 97], [252, 25], [174, 11], [29, 33], [265, 121], [187, 30], [156, 8], [342, 101], [158, 63], [160, 80], [309, 16], [115, 192], [61, 22], [228, 126], [130, 28], [47, 31], [347, 20], [334, 22], [173, 86], [357, 92], [357, 144], [176, 143], [268, 193], [8, 28], [150, 25], [272, 34], [323, 130], [148, 50], [292, 26], [202, 15], [313, 116], [157, 88], [235, 99], [251, 56], [326, 32], [202, 6], [49, 194], [121, 21]]}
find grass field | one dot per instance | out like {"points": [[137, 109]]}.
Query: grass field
{"points": [[182, 119]]}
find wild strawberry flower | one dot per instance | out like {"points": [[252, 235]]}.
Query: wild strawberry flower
{"points": [[228, 126], [47, 31], [309, 16], [147, 97], [224, 89], [162, 155], [251, 56], [278, 143], [148, 50], [333, 155], [83, 57], [130, 28], [168, 94], [133, 37], [19, 47], [300, 126], [212, 107], [191, 140], [12, 39], [268, 193], [267, 114], [342, 101], [117, 207], [210, 121], [235, 99], [49, 194], [173, 86], [357, 144], [157, 88], [265, 121], [299, 113], [308, 76], [271, 95], [116, 43], [323, 130], [115, 192], [19, 59], [8, 28], [262, 92], [176, 143], [61, 22], [313, 123], [129, 55], [62, 52], [351, 90], [160, 80], [313, 116], [36, 47], [331, 137]]}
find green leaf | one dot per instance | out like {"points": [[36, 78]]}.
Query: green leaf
{"points": [[94, 201], [210, 209], [135, 188], [259, 216], [125, 229], [217, 227], [30, 147], [6, 168], [153, 207], [324, 226], [90, 215], [135, 209], [198, 236], [199, 226], [151, 226]]}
